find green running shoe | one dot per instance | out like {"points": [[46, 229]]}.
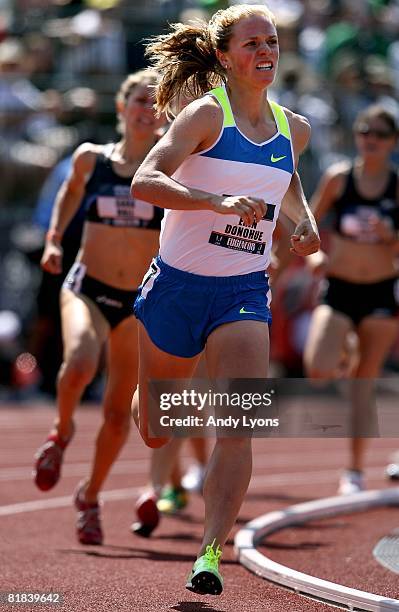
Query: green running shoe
{"points": [[172, 500], [205, 578]]}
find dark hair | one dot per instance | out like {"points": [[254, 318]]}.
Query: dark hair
{"points": [[376, 111], [186, 57]]}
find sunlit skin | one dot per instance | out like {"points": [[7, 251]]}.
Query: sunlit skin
{"points": [[118, 257], [125, 252], [239, 348], [254, 41], [370, 146], [138, 110], [356, 262], [370, 262]]}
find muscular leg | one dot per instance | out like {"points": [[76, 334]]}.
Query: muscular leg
{"points": [[122, 380], [198, 445], [234, 350], [84, 331], [155, 364], [325, 342], [164, 465], [376, 337]]}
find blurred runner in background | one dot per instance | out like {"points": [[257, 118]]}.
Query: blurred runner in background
{"points": [[120, 237]]}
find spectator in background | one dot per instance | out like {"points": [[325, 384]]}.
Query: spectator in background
{"points": [[23, 162], [93, 44]]}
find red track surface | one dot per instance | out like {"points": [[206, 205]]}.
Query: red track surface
{"points": [[128, 573]]}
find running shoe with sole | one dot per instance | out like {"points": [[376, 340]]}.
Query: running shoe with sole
{"points": [[147, 514], [47, 469], [88, 524], [351, 481], [172, 500], [205, 578]]}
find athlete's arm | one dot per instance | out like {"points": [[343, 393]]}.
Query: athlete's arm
{"points": [[305, 239], [66, 205], [386, 233], [329, 189], [196, 128], [280, 255]]}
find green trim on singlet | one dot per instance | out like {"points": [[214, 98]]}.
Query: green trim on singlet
{"points": [[281, 118], [228, 119], [220, 94]]}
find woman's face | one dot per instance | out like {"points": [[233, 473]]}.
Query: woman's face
{"points": [[253, 52], [138, 111], [374, 138]]}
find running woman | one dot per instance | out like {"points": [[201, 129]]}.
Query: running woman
{"points": [[361, 294], [221, 172], [121, 235]]}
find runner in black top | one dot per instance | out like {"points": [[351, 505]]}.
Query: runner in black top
{"points": [[361, 296], [120, 237]]}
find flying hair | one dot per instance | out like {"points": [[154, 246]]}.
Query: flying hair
{"points": [[186, 56]]}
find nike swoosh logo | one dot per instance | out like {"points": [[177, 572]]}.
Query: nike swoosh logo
{"points": [[276, 159], [243, 311]]}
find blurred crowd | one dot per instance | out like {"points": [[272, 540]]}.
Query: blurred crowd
{"points": [[61, 62]]}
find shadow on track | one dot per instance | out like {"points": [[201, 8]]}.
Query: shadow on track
{"points": [[195, 606], [124, 552]]}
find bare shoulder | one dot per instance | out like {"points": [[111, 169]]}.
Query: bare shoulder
{"points": [[300, 131], [297, 122], [198, 124], [84, 157], [339, 170], [205, 108], [334, 179]]}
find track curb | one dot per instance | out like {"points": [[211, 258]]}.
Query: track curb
{"points": [[329, 592]]}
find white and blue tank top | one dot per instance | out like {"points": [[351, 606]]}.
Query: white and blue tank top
{"points": [[209, 243]]}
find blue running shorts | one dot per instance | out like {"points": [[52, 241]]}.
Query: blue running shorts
{"points": [[179, 309]]}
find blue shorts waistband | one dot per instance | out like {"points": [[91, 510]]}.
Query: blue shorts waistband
{"points": [[211, 281]]}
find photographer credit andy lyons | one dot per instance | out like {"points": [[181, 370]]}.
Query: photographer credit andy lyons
{"points": [[217, 410]]}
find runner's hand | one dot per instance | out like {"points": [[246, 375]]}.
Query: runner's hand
{"points": [[51, 260], [248, 208], [305, 240], [381, 229]]}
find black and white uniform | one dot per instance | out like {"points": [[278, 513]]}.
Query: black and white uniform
{"points": [[107, 200], [352, 212]]}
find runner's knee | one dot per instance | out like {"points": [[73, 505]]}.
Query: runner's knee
{"points": [[76, 372], [117, 421]]}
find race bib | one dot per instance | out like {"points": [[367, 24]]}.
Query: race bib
{"points": [[230, 232]]}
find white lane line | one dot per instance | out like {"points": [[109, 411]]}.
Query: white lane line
{"points": [[64, 502], [307, 477], [261, 460], [257, 482], [303, 584], [75, 469]]}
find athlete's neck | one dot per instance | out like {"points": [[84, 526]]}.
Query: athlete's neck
{"points": [[249, 103], [131, 150], [373, 168]]}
